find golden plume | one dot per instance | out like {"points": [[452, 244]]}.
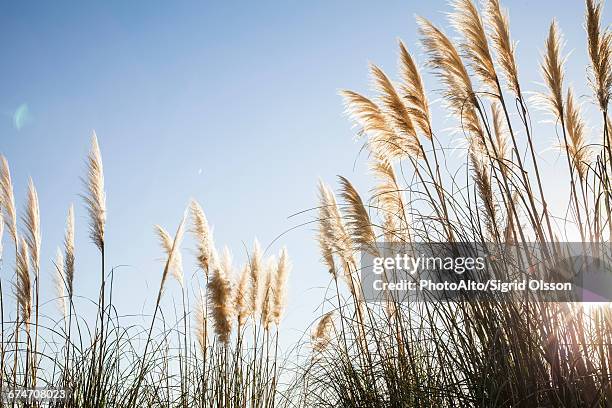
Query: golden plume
{"points": [[578, 148], [485, 192], [255, 271], [499, 29], [600, 53], [501, 137], [446, 63], [358, 221], [32, 224], [7, 199], [242, 295], [200, 320], [326, 250], [280, 286], [23, 287], [390, 199], [268, 294], [321, 336], [202, 234], [405, 142], [467, 21], [60, 282], [374, 122], [333, 230], [367, 115], [552, 71], [69, 251], [220, 297], [413, 92], [1, 231], [170, 261], [176, 268], [96, 197]]}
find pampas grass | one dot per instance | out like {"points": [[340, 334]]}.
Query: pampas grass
{"points": [[458, 353], [59, 282], [107, 363], [202, 234], [413, 92], [467, 353], [401, 137], [220, 296], [280, 286], [502, 43], [321, 335], [552, 71], [96, 196], [8, 199], [468, 22], [256, 272], [23, 287], [242, 295], [600, 52], [444, 59], [69, 251], [32, 226], [167, 243]]}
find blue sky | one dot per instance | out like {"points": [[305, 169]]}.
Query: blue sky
{"points": [[233, 103]]}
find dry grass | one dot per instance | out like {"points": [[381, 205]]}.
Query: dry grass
{"points": [[467, 353], [223, 351]]}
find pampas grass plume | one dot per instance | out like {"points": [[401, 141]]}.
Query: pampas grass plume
{"points": [[220, 297], [95, 198], [69, 251], [7, 199]]}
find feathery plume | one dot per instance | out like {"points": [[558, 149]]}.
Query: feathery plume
{"points": [[32, 224], [358, 221], [446, 63], [321, 336], [1, 231], [578, 148], [174, 250], [390, 199], [501, 137], [268, 294], [367, 115], [413, 92], [96, 197], [397, 117], [467, 21], [69, 251], [220, 297], [176, 268], [333, 230], [8, 199], [255, 271], [485, 192], [381, 137], [552, 71], [60, 282], [23, 287], [280, 286], [201, 320], [600, 53], [202, 234], [499, 30], [326, 250], [242, 295]]}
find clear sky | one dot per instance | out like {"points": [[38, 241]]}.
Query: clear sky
{"points": [[233, 103]]}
